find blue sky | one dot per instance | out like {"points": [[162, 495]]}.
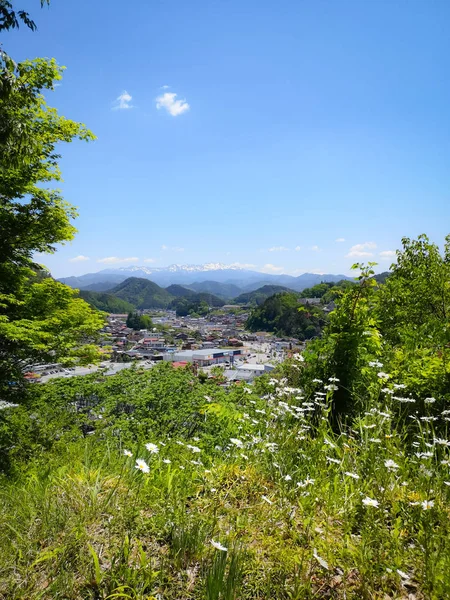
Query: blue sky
{"points": [[284, 127]]}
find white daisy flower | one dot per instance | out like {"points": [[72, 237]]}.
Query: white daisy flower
{"points": [[142, 465], [219, 546]]}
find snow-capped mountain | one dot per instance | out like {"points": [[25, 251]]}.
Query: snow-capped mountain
{"points": [[235, 273], [177, 268]]}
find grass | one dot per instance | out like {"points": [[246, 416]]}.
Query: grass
{"points": [[299, 511]]}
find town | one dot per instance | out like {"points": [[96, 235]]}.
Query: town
{"points": [[219, 340]]}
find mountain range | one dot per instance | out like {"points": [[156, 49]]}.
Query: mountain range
{"points": [[225, 281], [139, 293]]}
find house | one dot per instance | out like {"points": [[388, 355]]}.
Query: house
{"points": [[310, 301]]}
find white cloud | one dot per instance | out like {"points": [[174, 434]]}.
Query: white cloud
{"points": [[123, 101], [278, 249], [114, 260], [315, 248], [172, 248], [297, 248], [79, 258], [174, 107], [339, 240], [361, 250], [388, 254], [165, 87], [150, 260], [272, 269]]}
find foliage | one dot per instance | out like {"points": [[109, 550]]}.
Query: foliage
{"points": [[10, 18], [257, 297], [137, 322], [242, 494], [282, 314], [106, 302], [39, 318], [402, 326]]}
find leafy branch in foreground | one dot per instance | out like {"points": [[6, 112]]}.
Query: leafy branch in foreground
{"points": [[39, 318]]}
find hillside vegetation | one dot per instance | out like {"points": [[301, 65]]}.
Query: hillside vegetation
{"points": [[282, 314], [327, 479], [257, 297], [106, 302]]}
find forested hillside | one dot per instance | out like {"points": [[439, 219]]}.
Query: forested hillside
{"points": [[282, 314], [257, 297], [106, 302]]}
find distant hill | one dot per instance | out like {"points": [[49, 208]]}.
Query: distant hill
{"points": [[101, 286], [257, 297], [106, 302], [189, 275], [179, 291], [142, 293], [381, 277], [222, 290]]}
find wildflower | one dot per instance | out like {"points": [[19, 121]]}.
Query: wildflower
{"points": [[370, 502], [299, 357], [266, 499], [142, 465], [193, 448], [152, 448], [208, 399], [333, 379], [427, 504], [375, 363], [323, 563], [167, 461], [447, 483], [369, 426], [399, 386], [237, 442], [390, 464], [331, 387], [218, 546], [333, 460], [441, 442], [382, 375], [430, 400], [328, 443], [375, 440], [403, 575], [353, 475], [317, 381], [287, 478], [244, 456], [127, 453], [4, 405], [387, 391]]}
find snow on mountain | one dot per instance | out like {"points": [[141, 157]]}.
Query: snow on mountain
{"points": [[177, 268]]}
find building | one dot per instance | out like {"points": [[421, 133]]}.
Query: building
{"points": [[206, 356]]}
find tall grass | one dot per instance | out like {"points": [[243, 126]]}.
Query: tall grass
{"points": [[287, 508]]}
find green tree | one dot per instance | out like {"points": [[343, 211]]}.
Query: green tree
{"points": [[39, 317], [137, 322]]}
